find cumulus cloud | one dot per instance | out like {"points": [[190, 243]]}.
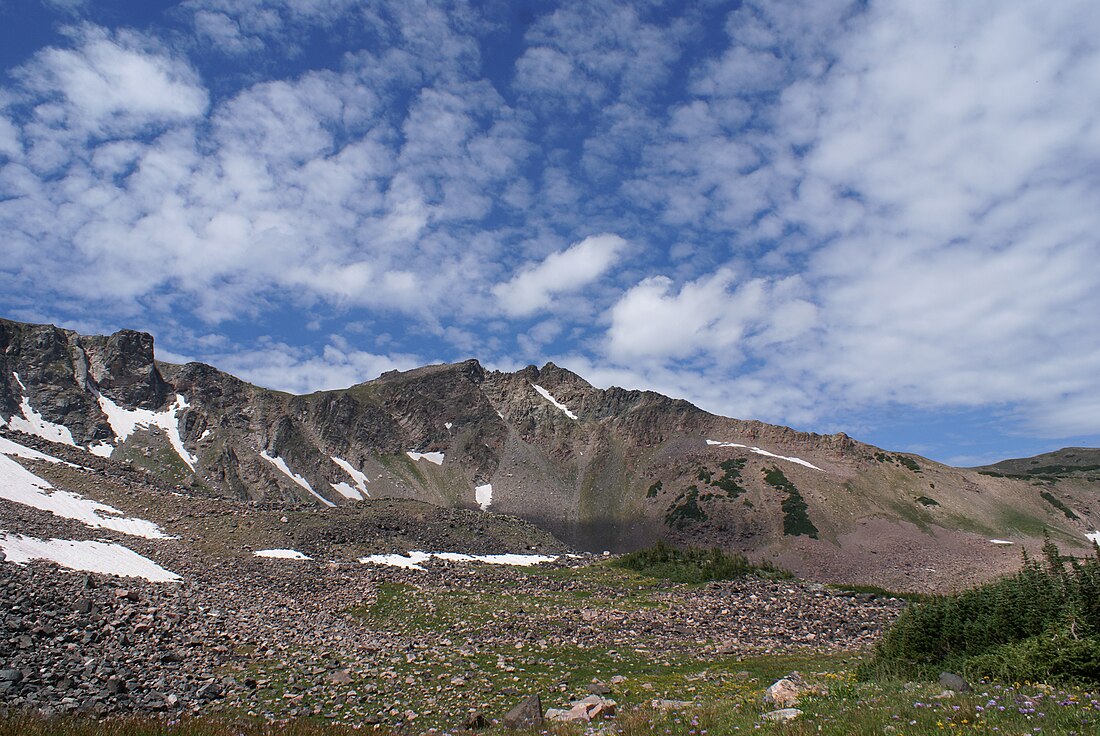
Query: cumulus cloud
{"points": [[534, 288], [705, 316], [114, 83]]}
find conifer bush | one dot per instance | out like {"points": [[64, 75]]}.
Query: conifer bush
{"points": [[1043, 623], [695, 564]]}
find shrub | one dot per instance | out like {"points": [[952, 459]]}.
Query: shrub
{"points": [[695, 565], [1044, 619]]}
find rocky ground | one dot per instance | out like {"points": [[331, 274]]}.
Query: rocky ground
{"points": [[358, 643]]}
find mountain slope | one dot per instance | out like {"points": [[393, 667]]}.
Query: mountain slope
{"points": [[601, 469]]}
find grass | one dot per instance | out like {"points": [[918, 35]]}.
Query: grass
{"points": [[725, 705]]}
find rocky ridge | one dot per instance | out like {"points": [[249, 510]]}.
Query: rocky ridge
{"points": [[600, 469]]}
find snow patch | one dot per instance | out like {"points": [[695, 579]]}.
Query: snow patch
{"points": [[103, 449], [484, 496], [204, 435], [357, 475], [1093, 537], [432, 457], [765, 453], [1000, 541], [448, 425], [101, 557], [124, 422], [279, 463], [33, 423], [347, 491], [282, 554], [410, 562], [413, 560], [10, 447], [22, 486], [546, 395]]}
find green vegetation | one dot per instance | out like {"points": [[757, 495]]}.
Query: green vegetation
{"points": [[908, 462], [1062, 469], [704, 475], [695, 565], [838, 706], [654, 490], [796, 518], [685, 509], [1056, 503], [882, 457], [1042, 624], [731, 473], [926, 501]]}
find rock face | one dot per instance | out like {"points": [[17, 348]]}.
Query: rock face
{"points": [[602, 469]]}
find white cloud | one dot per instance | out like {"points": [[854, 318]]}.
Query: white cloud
{"points": [[534, 288], [115, 84], [296, 370], [9, 139], [705, 316]]}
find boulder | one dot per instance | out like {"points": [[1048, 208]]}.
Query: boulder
{"points": [[528, 714], [786, 691], [951, 681], [783, 714]]}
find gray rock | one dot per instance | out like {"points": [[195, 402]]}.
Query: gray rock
{"points": [[528, 714], [209, 691], [11, 675], [951, 681], [783, 714]]}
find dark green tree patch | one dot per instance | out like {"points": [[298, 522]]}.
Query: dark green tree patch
{"points": [[796, 517], [1057, 503], [685, 510]]}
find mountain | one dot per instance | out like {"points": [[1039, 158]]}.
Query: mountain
{"points": [[600, 469]]}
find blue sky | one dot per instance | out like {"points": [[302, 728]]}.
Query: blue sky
{"points": [[871, 217]]}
